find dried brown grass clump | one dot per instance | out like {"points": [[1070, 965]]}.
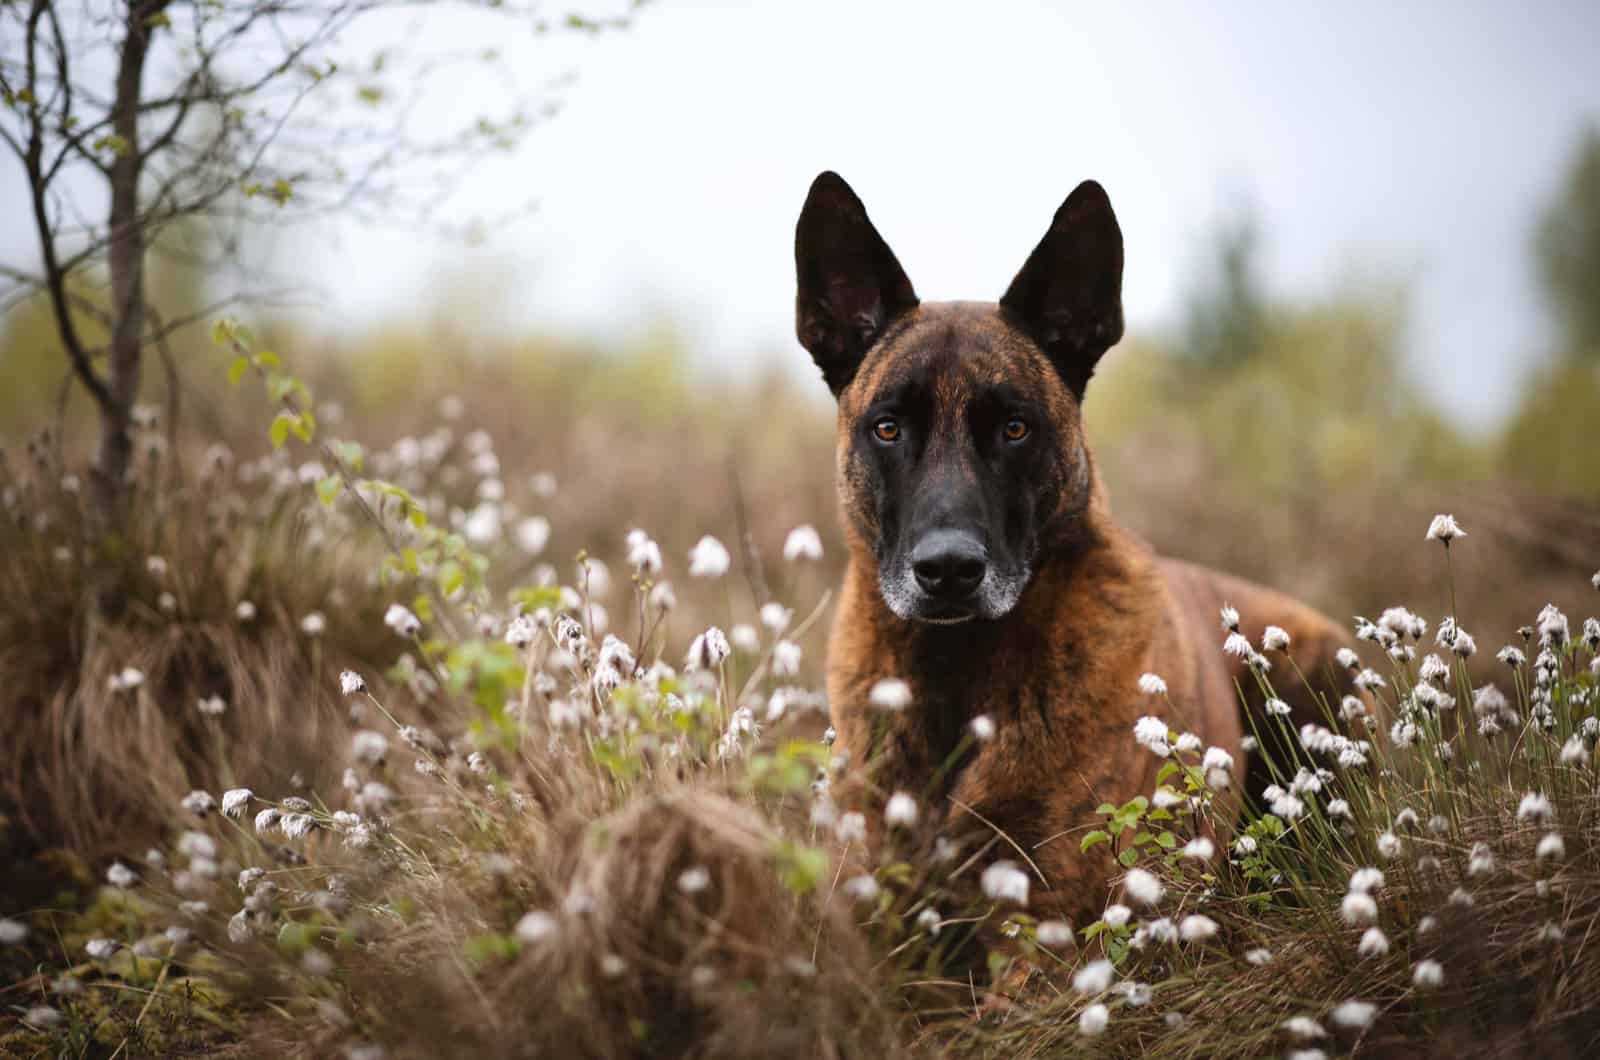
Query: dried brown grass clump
{"points": [[99, 768], [639, 964]]}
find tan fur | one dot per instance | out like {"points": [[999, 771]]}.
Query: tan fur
{"points": [[1059, 674]]}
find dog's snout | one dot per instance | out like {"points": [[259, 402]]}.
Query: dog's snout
{"points": [[949, 564]]}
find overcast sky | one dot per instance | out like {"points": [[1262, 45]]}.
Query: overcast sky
{"points": [[1413, 138]]}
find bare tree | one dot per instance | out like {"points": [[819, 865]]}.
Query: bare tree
{"points": [[133, 118]]}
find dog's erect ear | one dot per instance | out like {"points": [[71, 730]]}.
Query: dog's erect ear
{"points": [[1068, 296], [850, 285]]}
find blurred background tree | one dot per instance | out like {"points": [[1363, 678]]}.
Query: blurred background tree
{"points": [[1550, 441], [170, 130]]}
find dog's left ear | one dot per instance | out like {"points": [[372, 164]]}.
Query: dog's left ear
{"points": [[850, 287], [1068, 297]]}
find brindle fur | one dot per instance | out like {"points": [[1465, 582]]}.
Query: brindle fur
{"points": [[1058, 672]]}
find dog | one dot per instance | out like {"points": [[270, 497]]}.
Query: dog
{"points": [[985, 569]]}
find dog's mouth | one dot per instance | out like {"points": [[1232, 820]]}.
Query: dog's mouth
{"points": [[946, 616]]}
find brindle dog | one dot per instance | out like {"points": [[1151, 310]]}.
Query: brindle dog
{"points": [[985, 568]]}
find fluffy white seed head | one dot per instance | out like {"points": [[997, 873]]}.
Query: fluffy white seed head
{"points": [[1444, 529], [709, 558]]}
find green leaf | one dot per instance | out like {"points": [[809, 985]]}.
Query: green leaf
{"points": [[1105, 809], [279, 431], [450, 576], [268, 359], [328, 490], [351, 454], [237, 369], [1128, 857], [1093, 838], [1167, 840], [1166, 771]]}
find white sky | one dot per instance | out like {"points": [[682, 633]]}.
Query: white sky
{"points": [[1414, 139]]}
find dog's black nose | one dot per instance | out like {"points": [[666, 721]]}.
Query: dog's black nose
{"points": [[949, 564]]}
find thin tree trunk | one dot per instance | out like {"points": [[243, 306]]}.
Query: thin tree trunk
{"points": [[125, 259]]}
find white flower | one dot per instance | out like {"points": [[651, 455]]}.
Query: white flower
{"points": [[1200, 848], [1369, 679], [1304, 1027], [1151, 732], [1197, 927], [1053, 933], [1092, 1020], [785, 658], [268, 819], [1551, 846], [1366, 880], [1353, 1014], [100, 949], [351, 683], [1230, 619], [1152, 685], [1358, 908], [694, 879], [1278, 708], [708, 559], [982, 728], [369, 747], [852, 827], [1574, 750], [119, 875], [1347, 658], [1388, 844], [1217, 758], [1511, 656], [901, 810], [708, 651], [1187, 742], [1237, 644], [12, 931], [1427, 975], [1288, 806], [862, 888], [803, 542], [1374, 943], [644, 555], [1258, 956], [533, 534], [1275, 639], [235, 800], [199, 803], [536, 926], [1445, 530], [245, 611], [775, 616], [1143, 887], [400, 619], [297, 825], [1535, 807], [1004, 882], [127, 679], [891, 694], [743, 636], [314, 624], [928, 920], [1093, 978]]}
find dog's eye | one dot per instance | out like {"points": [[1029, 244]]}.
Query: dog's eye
{"points": [[887, 429], [1016, 429]]}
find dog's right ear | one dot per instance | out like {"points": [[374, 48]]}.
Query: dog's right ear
{"points": [[850, 285]]}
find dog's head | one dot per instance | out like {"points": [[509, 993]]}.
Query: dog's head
{"points": [[961, 449]]}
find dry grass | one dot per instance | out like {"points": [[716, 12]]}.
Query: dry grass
{"points": [[412, 940]]}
